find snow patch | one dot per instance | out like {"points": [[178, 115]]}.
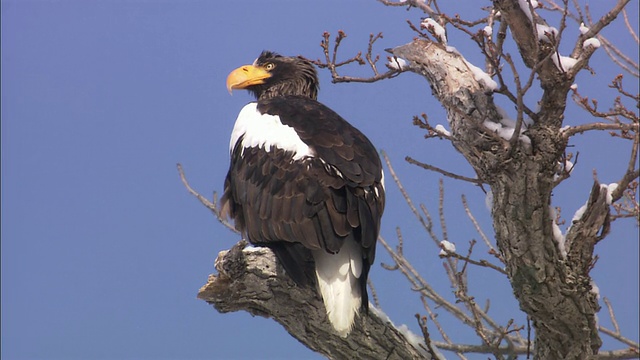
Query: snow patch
{"points": [[525, 139], [591, 42], [488, 30], [583, 29], [447, 247], [567, 165], [557, 234], [573, 87], [481, 76], [563, 63], [595, 289], [437, 29], [397, 63], [439, 128], [379, 313], [416, 341], [545, 33], [507, 126], [524, 5], [478, 74], [413, 339], [610, 189], [250, 249], [506, 133], [578, 214], [488, 200]]}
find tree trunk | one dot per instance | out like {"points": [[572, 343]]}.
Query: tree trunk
{"points": [[552, 289]]}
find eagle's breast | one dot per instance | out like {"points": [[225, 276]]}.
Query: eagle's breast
{"points": [[265, 131]]}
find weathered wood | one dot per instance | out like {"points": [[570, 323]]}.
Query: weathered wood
{"points": [[250, 279]]}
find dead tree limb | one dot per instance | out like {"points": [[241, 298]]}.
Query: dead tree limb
{"points": [[250, 279]]}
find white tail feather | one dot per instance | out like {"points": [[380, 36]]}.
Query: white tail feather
{"points": [[338, 276]]}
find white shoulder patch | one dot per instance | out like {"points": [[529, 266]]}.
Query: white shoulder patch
{"points": [[265, 131]]}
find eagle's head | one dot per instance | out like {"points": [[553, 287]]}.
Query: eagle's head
{"points": [[275, 75]]}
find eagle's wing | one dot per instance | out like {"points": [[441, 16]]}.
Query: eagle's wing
{"points": [[314, 202]]}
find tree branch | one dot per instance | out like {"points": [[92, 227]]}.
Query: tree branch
{"points": [[211, 205], [422, 5], [482, 262], [250, 279], [413, 161]]}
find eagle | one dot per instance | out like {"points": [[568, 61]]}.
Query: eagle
{"points": [[305, 183]]}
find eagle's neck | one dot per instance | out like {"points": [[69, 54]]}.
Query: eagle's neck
{"points": [[296, 88]]}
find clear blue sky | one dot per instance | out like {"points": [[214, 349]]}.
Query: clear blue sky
{"points": [[103, 250]]}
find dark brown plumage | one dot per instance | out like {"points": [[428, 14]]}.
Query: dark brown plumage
{"points": [[305, 192]]}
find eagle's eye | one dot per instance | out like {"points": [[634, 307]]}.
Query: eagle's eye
{"points": [[269, 66]]}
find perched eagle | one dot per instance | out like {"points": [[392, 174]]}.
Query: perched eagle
{"points": [[305, 183]]}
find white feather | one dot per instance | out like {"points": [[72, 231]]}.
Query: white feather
{"points": [[375, 188], [338, 276], [356, 265], [265, 131]]}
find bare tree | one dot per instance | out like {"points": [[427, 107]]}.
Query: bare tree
{"points": [[518, 162]]}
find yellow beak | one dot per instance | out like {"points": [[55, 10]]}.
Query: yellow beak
{"points": [[245, 76]]}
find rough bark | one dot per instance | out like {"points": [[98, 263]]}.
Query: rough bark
{"points": [[250, 279], [554, 291]]}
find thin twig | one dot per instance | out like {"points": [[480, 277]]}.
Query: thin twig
{"points": [[332, 64], [629, 27], [434, 319], [213, 206], [422, 322], [420, 284], [404, 193], [616, 334], [579, 129], [482, 263], [476, 225], [443, 222], [618, 337], [410, 160]]}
